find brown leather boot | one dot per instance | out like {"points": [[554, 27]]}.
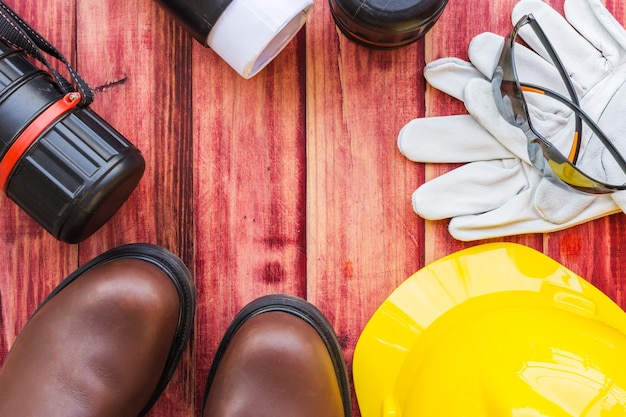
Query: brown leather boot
{"points": [[278, 358], [105, 342]]}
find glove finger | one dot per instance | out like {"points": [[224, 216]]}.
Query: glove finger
{"points": [[519, 216], [450, 139], [595, 158], [484, 52], [450, 75], [481, 105], [558, 204], [592, 19], [549, 119], [584, 62], [472, 188]]}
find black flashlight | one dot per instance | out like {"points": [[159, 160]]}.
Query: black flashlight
{"points": [[59, 161]]}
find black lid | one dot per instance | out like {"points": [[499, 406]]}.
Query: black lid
{"points": [[386, 24], [197, 16]]}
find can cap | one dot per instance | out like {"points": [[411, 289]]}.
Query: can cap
{"points": [[385, 24], [250, 33]]}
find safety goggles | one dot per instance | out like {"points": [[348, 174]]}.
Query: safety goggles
{"points": [[547, 158]]}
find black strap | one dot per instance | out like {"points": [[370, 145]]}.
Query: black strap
{"points": [[18, 33]]}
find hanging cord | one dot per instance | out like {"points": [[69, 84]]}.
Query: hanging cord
{"points": [[18, 33]]}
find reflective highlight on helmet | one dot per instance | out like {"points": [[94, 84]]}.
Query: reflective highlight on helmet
{"points": [[494, 330]]}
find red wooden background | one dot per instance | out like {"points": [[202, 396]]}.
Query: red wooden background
{"points": [[289, 182]]}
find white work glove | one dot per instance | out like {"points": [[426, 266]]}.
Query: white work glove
{"points": [[497, 193], [592, 46]]}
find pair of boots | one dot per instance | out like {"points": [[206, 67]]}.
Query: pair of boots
{"points": [[107, 340]]}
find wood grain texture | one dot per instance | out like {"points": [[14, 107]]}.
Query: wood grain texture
{"points": [[139, 60], [362, 238], [249, 179], [289, 182], [33, 262]]}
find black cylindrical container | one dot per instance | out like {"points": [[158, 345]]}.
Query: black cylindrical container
{"points": [[247, 34], [62, 164], [385, 24], [197, 16]]}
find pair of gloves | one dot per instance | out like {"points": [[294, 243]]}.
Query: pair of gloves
{"points": [[497, 192]]}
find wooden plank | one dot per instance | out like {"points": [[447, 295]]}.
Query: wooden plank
{"points": [[139, 60], [362, 237], [249, 189], [33, 262], [448, 40]]}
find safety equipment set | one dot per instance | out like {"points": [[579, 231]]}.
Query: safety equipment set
{"points": [[498, 329]]}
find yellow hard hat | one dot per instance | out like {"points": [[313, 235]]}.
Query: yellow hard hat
{"points": [[496, 330]]}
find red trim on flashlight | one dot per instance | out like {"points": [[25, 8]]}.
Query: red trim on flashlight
{"points": [[32, 132]]}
